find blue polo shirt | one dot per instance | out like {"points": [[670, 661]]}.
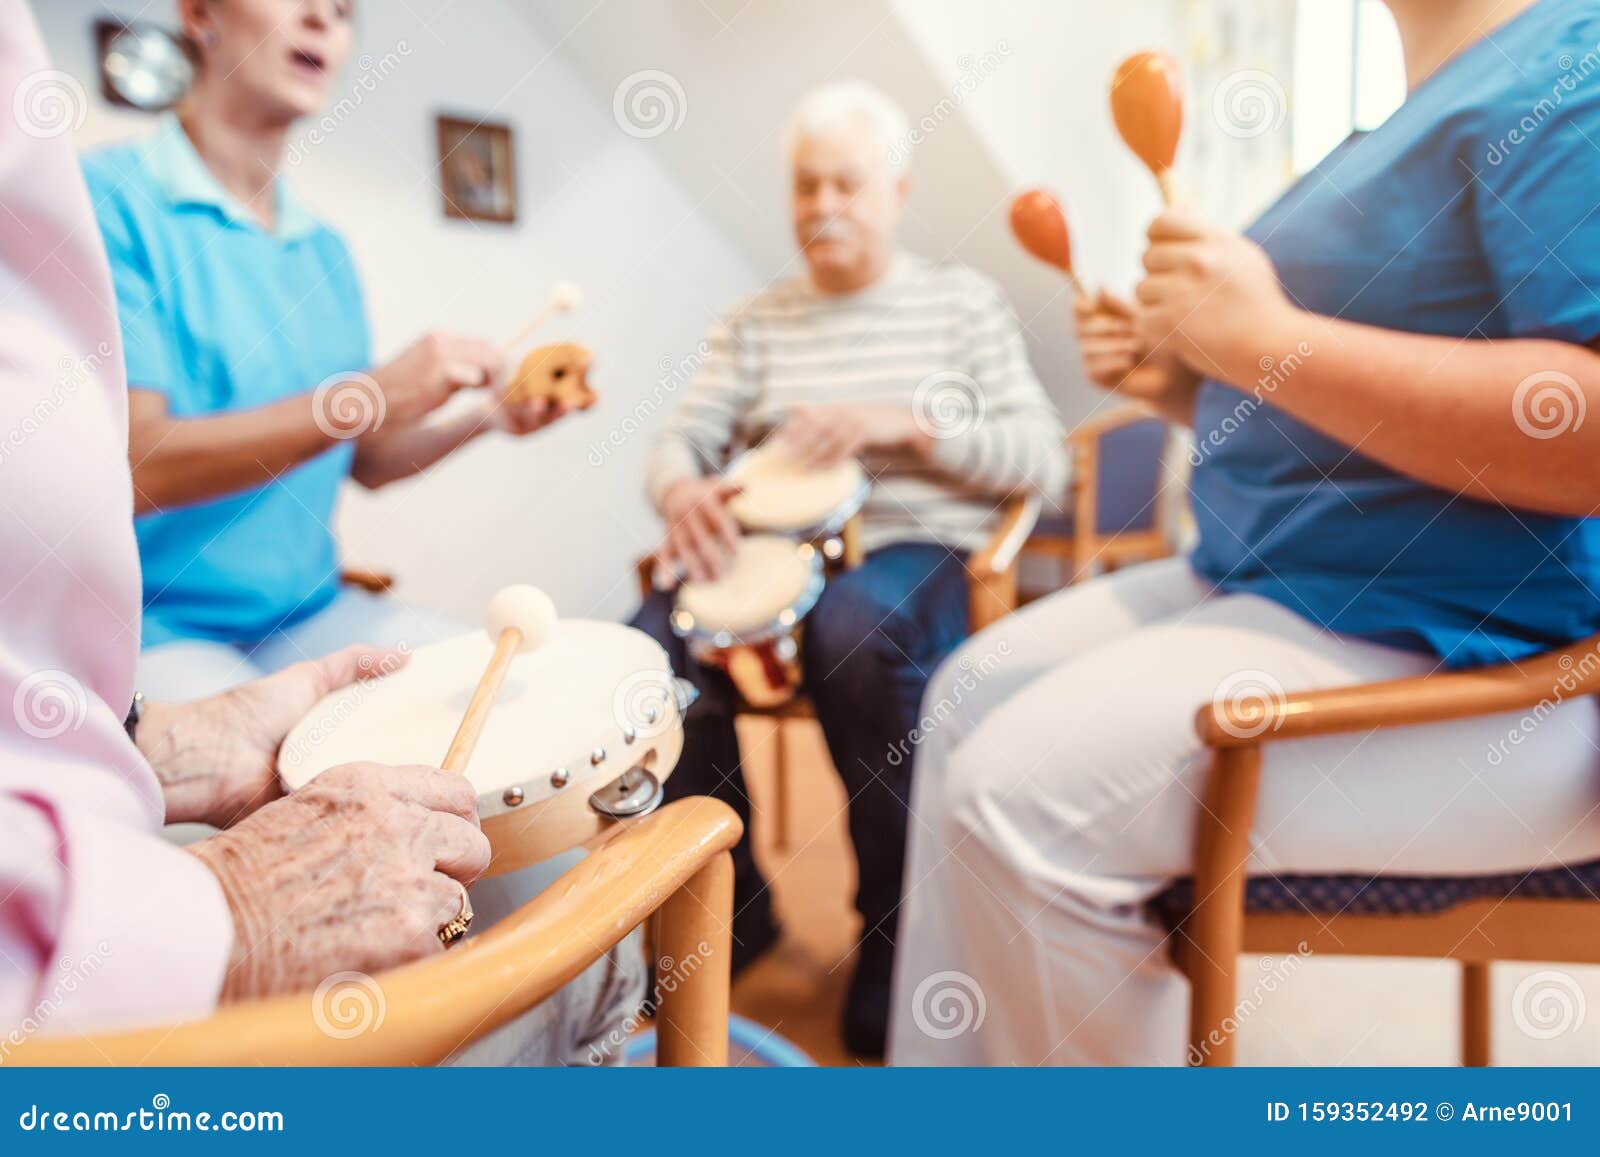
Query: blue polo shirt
{"points": [[219, 315], [1474, 211]]}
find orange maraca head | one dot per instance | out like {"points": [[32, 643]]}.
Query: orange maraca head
{"points": [[1147, 106], [1041, 226]]}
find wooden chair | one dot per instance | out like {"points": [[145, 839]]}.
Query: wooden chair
{"points": [[673, 864], [372, 581], [1115, 514], [1546, 915], [991, 595]]}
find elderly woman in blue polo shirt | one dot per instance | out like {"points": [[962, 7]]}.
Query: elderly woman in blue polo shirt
{"points": [[252, 389], [1387, 378]]}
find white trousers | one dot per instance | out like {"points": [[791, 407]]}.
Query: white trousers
{"points": [[1057, 790], [186, 669]]}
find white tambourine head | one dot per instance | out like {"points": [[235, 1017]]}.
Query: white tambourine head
{"points": [[777, 493], [572, 715]]}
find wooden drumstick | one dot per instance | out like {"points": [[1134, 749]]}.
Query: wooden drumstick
{"points": [[565, 296], [519, 619], [1040, 224], [1147, 106]]}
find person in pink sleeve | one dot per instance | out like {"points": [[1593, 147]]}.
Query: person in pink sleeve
{"points": [[104, 924]]}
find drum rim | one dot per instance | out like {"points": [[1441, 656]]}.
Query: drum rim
{"points": [[830, 524], [767, 630]]}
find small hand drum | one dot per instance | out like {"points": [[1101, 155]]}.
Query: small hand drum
{"points": [[778, 495], [747, 621], [582, 733]]}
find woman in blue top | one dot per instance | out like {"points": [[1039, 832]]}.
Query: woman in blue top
{"points": [[253, 394], [1387, 378]]}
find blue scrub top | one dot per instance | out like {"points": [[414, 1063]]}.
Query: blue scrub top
{"points": [[1474, 211], [219, 315]]}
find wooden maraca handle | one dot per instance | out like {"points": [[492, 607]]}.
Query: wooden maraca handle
{"points": [[483, 697]]}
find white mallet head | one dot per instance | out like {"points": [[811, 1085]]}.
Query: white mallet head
{"points": [[565, 296], [527, 608]]}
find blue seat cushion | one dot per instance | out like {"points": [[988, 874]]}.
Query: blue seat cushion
{"points": [[1391, 895], [1129, 478]]}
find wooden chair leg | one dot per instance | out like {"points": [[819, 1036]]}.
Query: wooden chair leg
{"points": [[1475, 1014], [782, 836], [854, 551], [1216, 925], [696, 935]]}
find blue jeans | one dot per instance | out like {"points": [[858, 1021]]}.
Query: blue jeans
{"points": [[871, 643]]}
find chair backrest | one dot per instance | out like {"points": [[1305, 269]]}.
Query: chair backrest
{"points": [[1131, 462]]}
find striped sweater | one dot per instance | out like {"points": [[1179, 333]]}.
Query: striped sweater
{"points": [[939, 339]]}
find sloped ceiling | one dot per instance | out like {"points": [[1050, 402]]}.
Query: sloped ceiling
{"points": [[722, 75]]}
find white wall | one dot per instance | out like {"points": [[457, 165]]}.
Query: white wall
{"points": [[596, 207]]}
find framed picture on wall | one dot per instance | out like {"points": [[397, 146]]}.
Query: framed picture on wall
{"points": [[477, 170]]}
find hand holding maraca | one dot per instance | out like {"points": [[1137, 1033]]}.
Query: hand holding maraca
{"points": [[1212, 299]]}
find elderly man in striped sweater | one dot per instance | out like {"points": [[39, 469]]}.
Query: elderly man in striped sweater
{"points": [[844, 361]]}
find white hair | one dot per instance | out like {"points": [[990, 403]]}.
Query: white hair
{"points": [[839, 103]]}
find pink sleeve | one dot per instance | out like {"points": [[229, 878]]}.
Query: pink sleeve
{"points": [[102, 923], [107, 926]]}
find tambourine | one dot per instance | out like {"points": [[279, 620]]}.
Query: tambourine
{"points": [[747, 622], [584, 729]]}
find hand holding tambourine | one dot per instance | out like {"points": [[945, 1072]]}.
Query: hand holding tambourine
{"points": [[563, 726]]}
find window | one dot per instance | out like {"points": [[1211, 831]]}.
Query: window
{"points": [[1348, 73]]}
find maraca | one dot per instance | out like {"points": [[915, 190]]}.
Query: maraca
{"points": [[1040, 225], [1147, 106], [519, 619]]}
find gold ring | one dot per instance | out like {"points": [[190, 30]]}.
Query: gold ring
{"points": [[454, 929]]}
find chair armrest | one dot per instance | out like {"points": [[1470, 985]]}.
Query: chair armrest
{"points": [[992, 571], [432, 1007], [1556, 676], [372, 581], [999, 554], [1098, 425]]}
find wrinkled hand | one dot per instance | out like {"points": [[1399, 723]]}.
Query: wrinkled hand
{"points": [[429, 372], [701, 533], [824, 436], [356, 871], [217, 758], [1211, 297], [1116, 358]]}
